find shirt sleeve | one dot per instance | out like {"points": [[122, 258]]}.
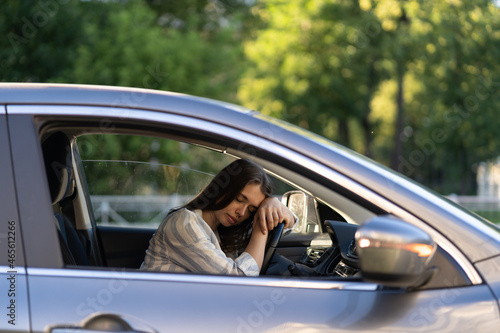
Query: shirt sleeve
{"points": [[190, 243]]}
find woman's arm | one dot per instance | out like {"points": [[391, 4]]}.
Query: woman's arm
{"points": [[184, 242], [257, 244], [271, 212]]}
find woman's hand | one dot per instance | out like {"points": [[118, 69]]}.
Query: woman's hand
{"points": [[271, 212]]}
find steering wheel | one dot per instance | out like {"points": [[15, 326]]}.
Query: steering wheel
{"points": [[272, 242]]}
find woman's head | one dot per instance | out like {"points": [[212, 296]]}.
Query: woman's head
{"points": [[234, 195], [228, 184]]}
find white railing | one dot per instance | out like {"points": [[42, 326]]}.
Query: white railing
{"points": [[151, 210], [477, 203], [134, 210], [486, 206]]}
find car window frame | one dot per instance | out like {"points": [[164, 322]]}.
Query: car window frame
{"points": [[12, 245], [40, 242], [13, 265], [200, 129]]}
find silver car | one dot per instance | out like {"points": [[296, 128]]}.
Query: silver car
{"points": [[373, 251]]}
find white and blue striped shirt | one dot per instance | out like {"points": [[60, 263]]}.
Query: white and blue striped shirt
{"points": [[184, 242]]}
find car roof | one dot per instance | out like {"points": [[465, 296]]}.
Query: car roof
{"points": [[126, 97]]}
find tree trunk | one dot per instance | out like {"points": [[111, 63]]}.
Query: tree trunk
{"points": [[344, 138], [365, 122], [397, 153]]}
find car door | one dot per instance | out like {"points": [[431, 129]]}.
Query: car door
{"points": [[94, 297]]}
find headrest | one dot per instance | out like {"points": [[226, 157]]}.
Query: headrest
{"points": [[57, 158]]}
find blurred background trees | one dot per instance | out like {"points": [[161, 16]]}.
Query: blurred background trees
{"points": [[413, 84], [39, 38]]}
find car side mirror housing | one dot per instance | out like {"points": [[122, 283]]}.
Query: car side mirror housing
{"points": [[304, 207], [394, 253]]}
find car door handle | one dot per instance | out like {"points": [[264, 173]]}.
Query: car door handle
{"points": [[101, 323]]}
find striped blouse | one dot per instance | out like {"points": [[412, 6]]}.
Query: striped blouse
{"points": [[184, 242]]}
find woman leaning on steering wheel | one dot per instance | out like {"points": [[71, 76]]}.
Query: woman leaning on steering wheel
{"points": [[223, 230]]}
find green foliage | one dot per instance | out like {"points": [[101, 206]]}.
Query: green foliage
{"points": [[317, 64], [34, 47], [453, 120], [418, 80], [125, 165], [208, 16], [347, 70], [126, 47], [122, 43]]}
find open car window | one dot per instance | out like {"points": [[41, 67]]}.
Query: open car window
{"points": [[136, 180], [119, 187]]}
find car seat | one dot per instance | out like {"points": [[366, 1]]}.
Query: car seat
{"points": [[75, 247]]}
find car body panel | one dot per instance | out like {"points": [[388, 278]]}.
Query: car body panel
{"points": [[62, 296], [16, 312], [239, 304], [13, 286], [489, 270], [8, 206], [32, 194]]}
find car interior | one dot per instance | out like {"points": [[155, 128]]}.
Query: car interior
{"points": [[321, 245], [78, 246]]}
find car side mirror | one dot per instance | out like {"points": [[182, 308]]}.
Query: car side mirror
{"points": [[304, 207], [394, 253]]}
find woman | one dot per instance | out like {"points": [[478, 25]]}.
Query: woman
{"points": [[223, 230]]}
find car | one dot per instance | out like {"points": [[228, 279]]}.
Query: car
{"points": [[88, 172]]}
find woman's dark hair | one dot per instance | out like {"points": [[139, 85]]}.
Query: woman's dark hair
{"points": [[223, 189]]}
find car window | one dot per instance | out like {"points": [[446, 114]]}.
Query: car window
{"points": [[139, 193], [133, 181], [136, 180]]}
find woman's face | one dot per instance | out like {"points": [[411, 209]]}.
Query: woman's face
{"points": [[240, 209]]}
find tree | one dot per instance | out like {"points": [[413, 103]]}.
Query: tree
{"points": [[123, 43], [207, 16], [317, 64], [35, 47], [453, 117], [428, 69], [125, 46]]}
